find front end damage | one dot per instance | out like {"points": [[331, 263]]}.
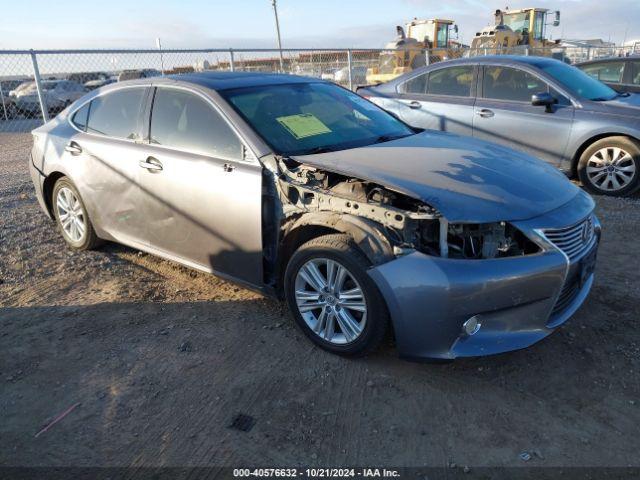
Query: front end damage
{"points": [[452, 289]]}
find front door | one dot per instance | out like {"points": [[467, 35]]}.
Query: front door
{"points": [[201, 196], [503, 113]]}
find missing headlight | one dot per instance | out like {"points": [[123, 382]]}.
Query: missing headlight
{"points": [[477, 241]]}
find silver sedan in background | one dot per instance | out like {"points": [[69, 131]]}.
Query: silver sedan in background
{"points": [[304, 190], [537, 105]]}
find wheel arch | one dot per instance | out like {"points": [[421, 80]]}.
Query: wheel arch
{"points": [[367, 236], [590, 141], [47, 189]]}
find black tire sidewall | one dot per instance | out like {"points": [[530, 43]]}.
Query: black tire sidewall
{"points": [[626, 144], [87, 239], [357, 264]]}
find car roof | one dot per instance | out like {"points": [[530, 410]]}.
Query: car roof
{"points": [[229, 80], [522, 59]]}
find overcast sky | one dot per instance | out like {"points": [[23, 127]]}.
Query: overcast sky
{"points": [[304, 23]]}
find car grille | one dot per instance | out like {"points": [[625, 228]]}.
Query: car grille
{"points": [[568, 293], [573, 240]]}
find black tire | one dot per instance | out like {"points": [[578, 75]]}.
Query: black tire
{"points": [[340, 248], [89, 239], [590, 183]]}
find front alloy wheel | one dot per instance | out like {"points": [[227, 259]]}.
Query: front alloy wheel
{"points": [[611, 169], [330, 301], [611, 166], [332, 297]]}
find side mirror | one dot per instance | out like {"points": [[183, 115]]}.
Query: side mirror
{"points": [[556, 20], [543, 99]]}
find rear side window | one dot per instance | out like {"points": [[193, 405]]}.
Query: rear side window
{"points": [[453, 81], [117, 114], [185, 121], [605, 72], [505, 83], [415, 85], [81, 116]]}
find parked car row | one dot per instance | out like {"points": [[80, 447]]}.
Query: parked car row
{"points": [[620, 73], [308, 192], [537, 105]]}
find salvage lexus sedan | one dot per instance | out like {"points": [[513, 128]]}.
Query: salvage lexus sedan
{"points": [[538, 105], [303, 190]]}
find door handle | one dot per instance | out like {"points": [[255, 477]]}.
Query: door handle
{"points": [[415, 104], [151, 164], [485, 113], [73, 148], [228, 167]]}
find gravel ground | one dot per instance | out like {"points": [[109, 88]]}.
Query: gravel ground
{"points": [[158, 360]]}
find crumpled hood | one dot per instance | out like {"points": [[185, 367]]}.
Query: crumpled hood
{"points": [[466, 179]]}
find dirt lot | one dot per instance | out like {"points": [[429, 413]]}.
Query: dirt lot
{"points": [[161, 359]]}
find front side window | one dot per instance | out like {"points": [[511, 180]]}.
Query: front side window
{"points": [[506, 83], [455, 81], [577, 82], [183, 120], [306, 118], [117, 114], [415, 85], [605, 72]]}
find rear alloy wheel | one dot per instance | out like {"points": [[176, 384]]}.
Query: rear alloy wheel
{"points": [[611, 167], [332, 297], [72, 218]]}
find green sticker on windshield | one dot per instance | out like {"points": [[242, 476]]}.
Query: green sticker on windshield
{"points": [[303, 125]]}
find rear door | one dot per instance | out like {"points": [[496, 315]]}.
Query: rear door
{"points": [[103, 160], [201, 191], [440, 99], [503, 113]]}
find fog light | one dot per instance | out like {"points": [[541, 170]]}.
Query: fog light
{"points": [[471, 326]]}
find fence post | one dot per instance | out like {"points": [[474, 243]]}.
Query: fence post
{"points": [[350, 65], [232, 66], [4, 107], [526, 51], [41, 97], [427, 57]]}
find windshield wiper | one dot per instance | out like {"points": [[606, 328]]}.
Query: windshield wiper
{"points": [[315, 150], [388, 138]]}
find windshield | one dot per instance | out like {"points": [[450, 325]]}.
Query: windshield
{"points": [[518, 22], [578, 82], [306, 118]]}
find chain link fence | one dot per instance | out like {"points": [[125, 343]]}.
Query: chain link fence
{"points": [[36, 85]]}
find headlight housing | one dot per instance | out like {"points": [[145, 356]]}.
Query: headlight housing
{"points": [[476, 241]]}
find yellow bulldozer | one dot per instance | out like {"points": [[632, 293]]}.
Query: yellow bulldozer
{"points": [[516, 30], [410, 49]]}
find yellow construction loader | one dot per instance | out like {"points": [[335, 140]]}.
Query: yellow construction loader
{"points": [[514, 31], [409, 50]]}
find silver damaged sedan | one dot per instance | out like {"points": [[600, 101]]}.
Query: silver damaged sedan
{"points": [[303, 190]]}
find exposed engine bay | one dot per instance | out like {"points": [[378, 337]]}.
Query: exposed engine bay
{"points": [[407, 223]]}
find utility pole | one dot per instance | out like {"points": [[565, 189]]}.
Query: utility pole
{"points": [[275, 13]]}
